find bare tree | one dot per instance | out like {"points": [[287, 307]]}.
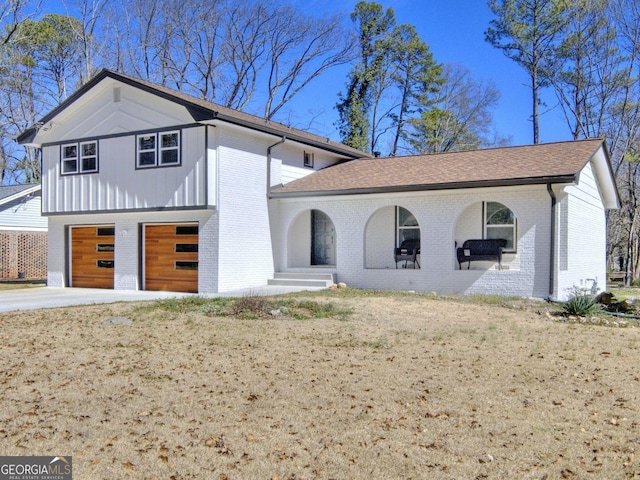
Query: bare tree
{"points": [[90, 13], [461, 119], [198, 30], [13, 13], [247, 30], [300, 49]]}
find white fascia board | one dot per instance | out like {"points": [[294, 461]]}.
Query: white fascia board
{"points": [[606, 180], [21, 194]]}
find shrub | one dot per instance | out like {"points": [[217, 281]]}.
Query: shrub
{"points": [[250, 307], [581, 305]]}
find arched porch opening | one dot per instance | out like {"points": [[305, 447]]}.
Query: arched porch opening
{"points": [[487, 220], [387, 229], [311, 240]]}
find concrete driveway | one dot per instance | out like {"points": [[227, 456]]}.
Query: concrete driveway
{"points": [[51, 297]]}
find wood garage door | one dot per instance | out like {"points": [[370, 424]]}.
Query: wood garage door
{"points": [[92, 256], [171, 257]]}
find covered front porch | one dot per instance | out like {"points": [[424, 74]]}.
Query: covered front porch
{"points": [[356, 239]]}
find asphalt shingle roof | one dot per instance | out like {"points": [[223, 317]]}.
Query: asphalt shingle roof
{"points": [[542, 163], [11, 190]]}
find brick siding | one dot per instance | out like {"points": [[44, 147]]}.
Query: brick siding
{"points": [[23, 255]]}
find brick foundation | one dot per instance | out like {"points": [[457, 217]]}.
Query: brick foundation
{"points": [[23, 255]]}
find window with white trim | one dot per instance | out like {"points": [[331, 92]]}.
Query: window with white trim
{"points": [[88, 157], [158, 149], [79, 157], [407, 227], [500, 222], [146, 145]]}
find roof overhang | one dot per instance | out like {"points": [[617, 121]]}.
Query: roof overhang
{"points": [[606, 178], [23, 193], [27, 137]]}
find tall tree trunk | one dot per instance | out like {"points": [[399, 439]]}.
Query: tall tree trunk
{"points": [[536, 101]]}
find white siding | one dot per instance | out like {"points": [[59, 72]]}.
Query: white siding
{"points": [[212, 166], [23, 214], [120, 186], [290, 173], [97, 114], [288, 158]]}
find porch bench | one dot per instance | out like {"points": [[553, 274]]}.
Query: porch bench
{"points": [[481, 250]]}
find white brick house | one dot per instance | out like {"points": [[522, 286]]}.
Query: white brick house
{"points": [[148, 188]]}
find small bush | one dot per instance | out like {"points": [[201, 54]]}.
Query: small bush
{"points": [[250, 307], [581, 305]]}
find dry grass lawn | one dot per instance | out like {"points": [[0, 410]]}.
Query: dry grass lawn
{"points": [[407, 386]]}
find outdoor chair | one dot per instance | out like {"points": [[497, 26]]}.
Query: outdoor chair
{"points": [[408, 251]]}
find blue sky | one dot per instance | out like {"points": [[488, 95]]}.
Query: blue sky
{"points": [[454, 30]]}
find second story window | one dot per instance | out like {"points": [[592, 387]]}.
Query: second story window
{"points": [[79, 157], [88, 157], [158, 149]]}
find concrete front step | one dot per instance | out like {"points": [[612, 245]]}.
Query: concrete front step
{"points": [[322, 280]]}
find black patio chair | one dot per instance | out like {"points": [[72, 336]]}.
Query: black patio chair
{"points": [[408, 251]]}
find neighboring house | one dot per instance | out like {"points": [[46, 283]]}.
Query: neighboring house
{"points": [[148, 188], [23, 233]]}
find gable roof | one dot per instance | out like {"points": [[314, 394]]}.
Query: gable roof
{"points": [[10, 193], [201, 111], [559, 162]]}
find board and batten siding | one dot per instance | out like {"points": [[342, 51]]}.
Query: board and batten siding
{"points": [[119, 186]]}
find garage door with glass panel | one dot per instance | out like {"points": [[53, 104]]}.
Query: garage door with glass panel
{"points": [[92, 256], [171, 257]]}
